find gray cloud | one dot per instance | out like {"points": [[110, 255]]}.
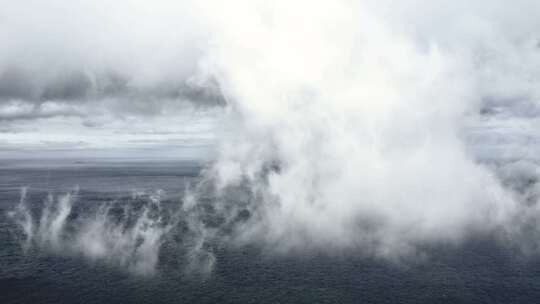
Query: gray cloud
{"points": [[73, 87]]}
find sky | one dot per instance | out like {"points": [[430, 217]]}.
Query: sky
{"points": [[131, 78], [93, 78]]}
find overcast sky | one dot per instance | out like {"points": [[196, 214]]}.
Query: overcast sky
{"points": [[95, 78], [132, 77]]}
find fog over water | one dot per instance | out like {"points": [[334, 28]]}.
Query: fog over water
{"points": [[371, 128]]}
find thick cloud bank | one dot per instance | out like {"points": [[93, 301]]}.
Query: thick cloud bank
{"points": [[353, 125]]}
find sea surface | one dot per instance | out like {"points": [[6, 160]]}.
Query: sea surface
{"points": [[478, 271]]}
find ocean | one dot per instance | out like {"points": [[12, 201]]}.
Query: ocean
{"points": [[479, 270]]}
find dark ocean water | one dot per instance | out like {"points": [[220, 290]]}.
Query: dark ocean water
{"points": [[478, 271]]}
